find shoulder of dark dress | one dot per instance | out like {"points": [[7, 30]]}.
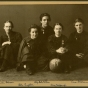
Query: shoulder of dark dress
{"points": [[73, 34], [27, 39], [3, 34], [85, 32], [49, 28]]}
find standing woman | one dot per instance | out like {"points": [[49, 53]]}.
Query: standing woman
{"points": [[57, 46], [45, 31]]}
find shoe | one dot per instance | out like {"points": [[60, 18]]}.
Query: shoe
{"points": [[29, 71], [19, 67]]}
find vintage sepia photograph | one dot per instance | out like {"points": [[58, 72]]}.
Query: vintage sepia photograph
{"points": [[43, 44]]}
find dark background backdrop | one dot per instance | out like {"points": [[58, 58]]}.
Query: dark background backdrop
{"points": [[24, 15]]}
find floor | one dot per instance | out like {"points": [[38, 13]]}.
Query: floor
{"points": [[13, 75]]}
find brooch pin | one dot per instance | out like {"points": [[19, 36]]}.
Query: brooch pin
{"points": [[75, 37], [28, 44]]}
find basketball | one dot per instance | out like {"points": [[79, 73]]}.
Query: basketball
{"points": [[55, 65]]}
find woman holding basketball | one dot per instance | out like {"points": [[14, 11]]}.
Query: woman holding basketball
{"points": [[57, 47]]}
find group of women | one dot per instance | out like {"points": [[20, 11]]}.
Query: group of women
{"points": [[43, 44]]}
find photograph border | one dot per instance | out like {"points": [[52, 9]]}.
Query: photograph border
{"points": [[41, 83]]}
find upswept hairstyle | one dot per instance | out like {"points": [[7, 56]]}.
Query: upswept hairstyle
{"points": [[33, 26], [58, 24], [45, 14], [79, 20]]}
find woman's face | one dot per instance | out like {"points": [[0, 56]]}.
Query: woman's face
{"points": [[79, 27], [45, 21], [58, 30], [7, 27], [34, 33]]}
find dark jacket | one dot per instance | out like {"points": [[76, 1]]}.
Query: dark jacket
{"points": [[78, 43], [44, 33], [29, 51]]}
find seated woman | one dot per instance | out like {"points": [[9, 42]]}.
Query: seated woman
{"points": [[9, 46], [57, 47], [78, 44], [29, 51]]}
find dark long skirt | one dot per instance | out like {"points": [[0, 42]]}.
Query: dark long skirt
{"points": [[8, 57]]}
